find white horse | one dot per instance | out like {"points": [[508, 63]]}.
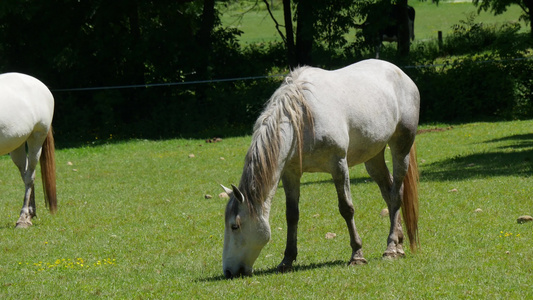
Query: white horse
{"points": [[327, 121], [26, 111]]}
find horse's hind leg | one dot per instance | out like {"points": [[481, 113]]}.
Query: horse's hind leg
{"points": [[341, 178], [26, 164], [391, 192], [28, 207]]}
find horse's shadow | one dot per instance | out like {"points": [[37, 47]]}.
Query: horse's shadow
{"points": [[512, 159], [274, 270]]}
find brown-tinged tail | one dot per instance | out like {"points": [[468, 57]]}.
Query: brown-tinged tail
{"points": [[410, 200], [48, 172]]}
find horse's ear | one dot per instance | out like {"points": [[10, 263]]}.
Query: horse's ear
{"points": [[227, 190], [238, 194]]}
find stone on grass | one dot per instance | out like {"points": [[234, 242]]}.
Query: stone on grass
{"points": [[524, 219], [330, 235], [384, 212]]}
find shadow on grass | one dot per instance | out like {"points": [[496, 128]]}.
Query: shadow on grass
{"points": [[353, 181], [8, 226], [274, 270], [514, 158]]}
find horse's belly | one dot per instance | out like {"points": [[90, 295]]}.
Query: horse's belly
{"points": [[13, 134], [7, 145], [324, 155], [358, 155]]}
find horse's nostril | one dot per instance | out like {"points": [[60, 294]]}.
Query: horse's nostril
{"points": [[240, 272]]}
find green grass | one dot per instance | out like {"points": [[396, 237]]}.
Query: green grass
{"points": [[133, 223], [258, 26]]}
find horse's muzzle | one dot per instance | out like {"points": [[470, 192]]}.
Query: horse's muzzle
{"points": [[240, 273]]}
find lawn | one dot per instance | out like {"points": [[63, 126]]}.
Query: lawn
{"points": [[257, 25], [134, 223]]}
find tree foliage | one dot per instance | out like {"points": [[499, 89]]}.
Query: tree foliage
{"points": [[500, 6], [73, 44], [83, 44], [318, 23]]}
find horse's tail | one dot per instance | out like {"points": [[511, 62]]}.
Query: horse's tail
{"points": [[410, 200], [48, 172]]}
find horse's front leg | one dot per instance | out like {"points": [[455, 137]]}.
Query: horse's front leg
{"points": [[341, 179], [291, 185]]}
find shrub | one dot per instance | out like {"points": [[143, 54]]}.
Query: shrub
{"points": [[475, 88]]}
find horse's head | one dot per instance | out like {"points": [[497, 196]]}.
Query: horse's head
{"points": [[245, 234]]}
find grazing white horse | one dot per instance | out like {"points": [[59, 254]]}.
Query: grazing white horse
{"points": [[327, 121], [26, 111]]}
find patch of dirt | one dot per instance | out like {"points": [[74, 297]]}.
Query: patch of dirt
{"points": [[436, 129], [214, 140]]}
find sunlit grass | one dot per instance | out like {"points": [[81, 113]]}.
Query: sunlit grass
{"points": [[257, 25], [135, 215], [67, 263]]}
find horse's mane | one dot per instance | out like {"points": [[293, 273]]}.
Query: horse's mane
{"points": [[261, 161]]}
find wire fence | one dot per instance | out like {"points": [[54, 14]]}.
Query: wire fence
{"points": [[165, 84], [194, 82]]}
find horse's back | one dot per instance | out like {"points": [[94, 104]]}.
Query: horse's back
{"points": [[357, 109], [369, 89], [26, 106]]}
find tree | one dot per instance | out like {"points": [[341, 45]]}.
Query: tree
{"points": [[289, 41], [500, 6], [298, 49], [305, 31], [404, 43], [316, 22], [85, 44]]}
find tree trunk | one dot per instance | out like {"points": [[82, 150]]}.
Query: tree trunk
{"points": [[134, 69], [529, 5], [304, 32], [205, 44], [135, 31], [204, 38], [403, 30], [289, 33]]}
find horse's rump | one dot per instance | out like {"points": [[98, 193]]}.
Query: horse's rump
{"points": [[26, 113], [357, 108]]}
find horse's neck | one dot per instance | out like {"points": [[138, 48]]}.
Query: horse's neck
{"points": [[286, 151], [267, 203]]}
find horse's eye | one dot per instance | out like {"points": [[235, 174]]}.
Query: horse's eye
{"points": [[235, 227]]}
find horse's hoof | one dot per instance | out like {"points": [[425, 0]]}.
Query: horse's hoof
{"points": [[23, 225], [284, 268], [393, 255], [358, 261]]}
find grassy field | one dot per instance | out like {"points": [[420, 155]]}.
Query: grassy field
{"points": [[134, 223], [258, 26]]}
